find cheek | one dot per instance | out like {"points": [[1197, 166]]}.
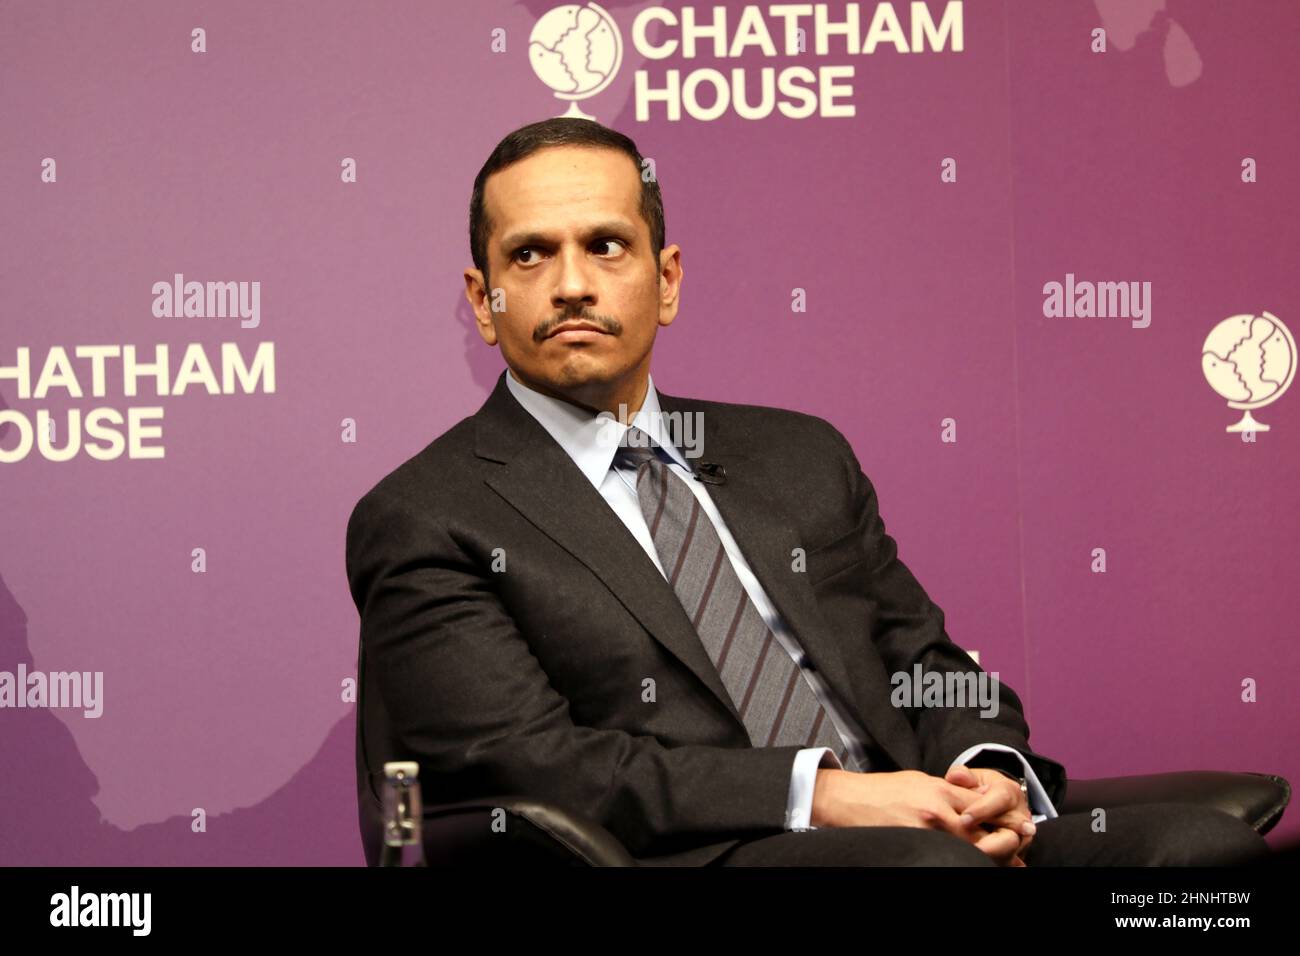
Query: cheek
{"points": [[515, 325], [640, 312]]}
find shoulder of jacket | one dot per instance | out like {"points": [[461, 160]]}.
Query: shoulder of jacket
{"points": [[425, 478], [768, 416]]}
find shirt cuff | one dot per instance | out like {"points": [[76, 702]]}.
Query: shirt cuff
{"points": [[1040, 808], [803, 781]]}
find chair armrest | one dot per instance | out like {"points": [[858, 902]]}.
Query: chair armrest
{"points": [[525, 832], [1255, 798]]}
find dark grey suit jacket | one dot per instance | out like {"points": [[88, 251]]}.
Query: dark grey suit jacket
{"points": [[532, 680]]}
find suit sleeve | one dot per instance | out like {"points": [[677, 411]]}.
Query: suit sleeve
{"points": [[468, 700], [909, 630]]}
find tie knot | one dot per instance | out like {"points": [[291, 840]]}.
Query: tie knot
{"points": [[637, 447]]}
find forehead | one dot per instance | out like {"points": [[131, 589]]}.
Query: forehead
{"points": [[563, 186]]}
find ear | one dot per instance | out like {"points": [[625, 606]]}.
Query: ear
{"points": [[477, 294], [670, 283]]}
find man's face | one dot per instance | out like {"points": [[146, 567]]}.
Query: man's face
{"points": [[568, 244]]}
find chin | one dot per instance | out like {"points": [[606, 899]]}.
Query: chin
{"points": [[580, 366]]}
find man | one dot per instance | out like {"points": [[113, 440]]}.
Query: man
{"points": [[694, 651]]}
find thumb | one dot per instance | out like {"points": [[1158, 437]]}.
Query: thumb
{"points": [[962, 776]]}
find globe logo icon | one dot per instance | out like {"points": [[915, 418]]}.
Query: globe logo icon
{"points": [[576, 50], [1250, 360]]}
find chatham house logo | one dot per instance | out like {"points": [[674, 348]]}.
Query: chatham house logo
{"points": [[576, 50], [1250, 360]]}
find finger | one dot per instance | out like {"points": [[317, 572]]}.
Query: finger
{"points": [[959, 798], [1015, 819], [995, 803], [962, 776], [1026, 839], [1002, 798], [1000, 844], [946, 819], [964, 784]]}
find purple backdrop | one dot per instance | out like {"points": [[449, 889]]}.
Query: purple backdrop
{"points": [[225, 690]]}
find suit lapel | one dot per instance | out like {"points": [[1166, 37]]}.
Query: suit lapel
{"points": [[543, 484]]}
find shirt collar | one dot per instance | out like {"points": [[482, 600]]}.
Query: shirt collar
{"points": [[589, 439]]}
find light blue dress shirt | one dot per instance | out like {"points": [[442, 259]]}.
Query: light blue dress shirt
{"points": [[585, 437]]}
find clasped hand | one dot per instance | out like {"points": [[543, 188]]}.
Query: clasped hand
{"points": [[982, 806], [998, 820]]}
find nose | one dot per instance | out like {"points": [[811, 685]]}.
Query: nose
{"points": [[573, 285]]}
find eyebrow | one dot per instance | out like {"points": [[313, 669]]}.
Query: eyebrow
{"points": [[533, 237]]}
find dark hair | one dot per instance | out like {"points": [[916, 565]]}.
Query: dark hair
{"points": [[560, 131]]}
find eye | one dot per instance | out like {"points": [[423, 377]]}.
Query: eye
{"points": [[610, 241]]}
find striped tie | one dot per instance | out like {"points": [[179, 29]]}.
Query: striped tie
{"points": [[777, 705]]}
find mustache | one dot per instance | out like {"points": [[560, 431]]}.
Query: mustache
{"points": [[605, 323]]}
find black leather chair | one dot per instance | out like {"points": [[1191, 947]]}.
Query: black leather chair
{"points": [[543, 834]]}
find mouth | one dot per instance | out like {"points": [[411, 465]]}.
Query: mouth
{"points": [[576, 330]]}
